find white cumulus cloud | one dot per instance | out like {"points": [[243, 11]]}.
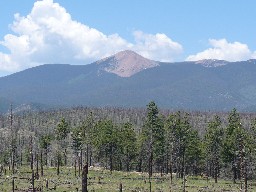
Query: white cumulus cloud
{"points": [[223, 50], [158, 47], [48, 34]]}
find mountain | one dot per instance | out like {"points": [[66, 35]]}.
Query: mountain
{"points": [[126, 63], [130, 80], [212, 62]]}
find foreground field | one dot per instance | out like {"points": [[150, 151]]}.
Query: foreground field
{"points": [[101, 180]]}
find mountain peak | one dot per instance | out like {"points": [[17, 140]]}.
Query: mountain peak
{"points": [[126, 63], [126, 53], [211, 62]]}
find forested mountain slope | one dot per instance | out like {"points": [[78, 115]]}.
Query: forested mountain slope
{"points": [[129, 80]]}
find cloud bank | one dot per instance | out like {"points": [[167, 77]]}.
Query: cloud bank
{"points": [[48, 34], [223, 50]]}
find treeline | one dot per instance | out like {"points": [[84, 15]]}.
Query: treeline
{"points": [[144, 140]]}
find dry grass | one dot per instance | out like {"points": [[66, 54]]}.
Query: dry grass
{"points": [[101, 180]]}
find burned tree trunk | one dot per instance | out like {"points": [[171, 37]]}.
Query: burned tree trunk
{"points": [[84, 178], [41, 163], [37, 166]]}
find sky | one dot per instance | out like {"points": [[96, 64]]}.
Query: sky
{"points": [[34, 32]]}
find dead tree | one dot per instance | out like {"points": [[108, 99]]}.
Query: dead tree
{"points": [[84, 178]]}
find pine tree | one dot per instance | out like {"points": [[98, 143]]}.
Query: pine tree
{"points": [[61, 133], [185, 145], [105, 139], [62, 130], [233, 136], [213, 145], [76, 135], [169, 143], [128, 140], [87, 129], [44, 144], [153, 138]]}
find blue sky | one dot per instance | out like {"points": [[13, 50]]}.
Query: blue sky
{"points": [[82, 31]]}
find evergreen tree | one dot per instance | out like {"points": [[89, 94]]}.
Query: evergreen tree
{"points": [[169, 143], [153, 138], [232, 141], [128, 141], [186, 145], [87, 129], [44, 143], [62, 130], [194, 153], [77, 140], [61, 133], [213, 145], [106, 141]]}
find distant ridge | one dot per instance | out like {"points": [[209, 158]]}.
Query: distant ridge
{"points": [[212, 62], [127, 79]]}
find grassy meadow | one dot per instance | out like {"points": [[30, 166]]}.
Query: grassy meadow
{"points": [[100, 180]]}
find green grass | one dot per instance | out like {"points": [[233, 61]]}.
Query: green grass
{"points": [[104, 181]]}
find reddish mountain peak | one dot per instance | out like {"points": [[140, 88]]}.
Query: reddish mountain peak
{"points": [[126, 63], [128, 54]]}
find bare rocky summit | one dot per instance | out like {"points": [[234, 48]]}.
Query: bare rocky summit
{"points": [[212, 62], [126, 63]]}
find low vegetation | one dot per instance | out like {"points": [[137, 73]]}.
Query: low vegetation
{"points": [[102, 180]]}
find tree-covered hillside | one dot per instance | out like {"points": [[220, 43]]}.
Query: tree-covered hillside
{"points": [[182, 86]]}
